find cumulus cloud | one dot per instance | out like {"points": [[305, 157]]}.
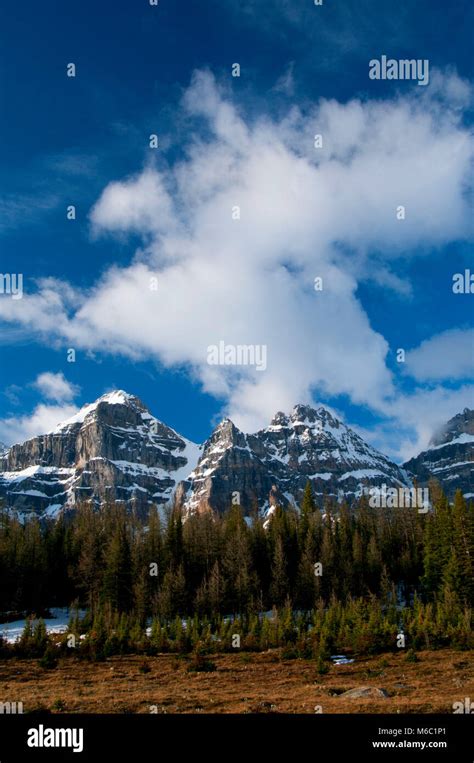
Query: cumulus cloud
{"points": [[56, 387], [43, 419], [141, 204], [422, 412], [46, 415], [449, 355], [305, 212]]}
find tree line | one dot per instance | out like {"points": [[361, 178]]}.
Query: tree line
{"points": [[212, 565]]}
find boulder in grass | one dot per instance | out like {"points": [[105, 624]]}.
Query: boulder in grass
{"points": [[365, 692]]}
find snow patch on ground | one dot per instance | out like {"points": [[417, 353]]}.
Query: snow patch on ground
{"points": [[11, 632]]}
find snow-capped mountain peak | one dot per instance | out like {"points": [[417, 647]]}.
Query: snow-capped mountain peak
{"points": [[115, 450], [276, 462], [449, 457], [112, 450], [115, 397]]}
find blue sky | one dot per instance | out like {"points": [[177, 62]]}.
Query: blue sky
{"points": [[226, 141]]}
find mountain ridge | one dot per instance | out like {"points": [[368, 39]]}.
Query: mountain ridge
{"points": [[114, 449], [448, 457], [111, 450]]}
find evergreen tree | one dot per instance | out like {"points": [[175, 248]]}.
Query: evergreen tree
{"points": [[117, 585], [308, 507], [279, 587], [463, 546], [236, 561]]}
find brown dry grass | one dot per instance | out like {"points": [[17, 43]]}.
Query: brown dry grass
{"points": [[242, 683]]}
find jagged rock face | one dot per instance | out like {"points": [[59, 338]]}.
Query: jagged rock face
{"points": [[449, 457], [230, 470], [115, 450], [112, 450], [273, 465]]}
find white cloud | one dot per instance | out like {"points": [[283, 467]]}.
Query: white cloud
{"points": [[423, 412], [44, 418], [449, 355], [140, 204], [305, 212], [412, 419], [56, 387]]}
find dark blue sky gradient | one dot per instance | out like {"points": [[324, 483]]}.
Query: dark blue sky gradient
{"points": [[63, 140]]}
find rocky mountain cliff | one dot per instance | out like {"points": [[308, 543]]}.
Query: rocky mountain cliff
{"points": [[112, 450], [273, 465], [449, 457], [115, 450]]}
